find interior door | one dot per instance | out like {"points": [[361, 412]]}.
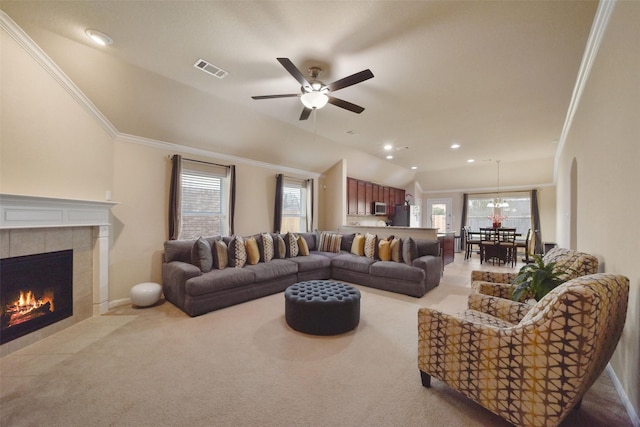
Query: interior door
{"points": [[439, 214]]}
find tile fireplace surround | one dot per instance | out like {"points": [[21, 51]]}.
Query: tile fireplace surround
{"points": [[31, 225]]}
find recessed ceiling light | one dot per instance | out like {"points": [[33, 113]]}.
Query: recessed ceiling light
{"points": [[99, 37], [454, 146], [389, 157], [414, 167], [388, 147], [470, 160]]}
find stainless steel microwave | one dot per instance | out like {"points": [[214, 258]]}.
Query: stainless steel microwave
{"points": [[379, 208]]}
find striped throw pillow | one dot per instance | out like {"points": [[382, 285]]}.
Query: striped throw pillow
{"points": [[330, 242]]}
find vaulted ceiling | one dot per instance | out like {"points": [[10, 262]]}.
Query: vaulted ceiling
{"points": [[495, 77]]}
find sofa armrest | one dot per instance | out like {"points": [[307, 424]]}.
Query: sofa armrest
{"points": [[432, 266], [178, 272], [492, 276], [505, 309]]}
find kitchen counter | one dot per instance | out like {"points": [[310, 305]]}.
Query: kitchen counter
{"points": [[384, 232]]}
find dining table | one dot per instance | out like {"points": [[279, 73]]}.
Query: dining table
{"points": [[497, 244]]}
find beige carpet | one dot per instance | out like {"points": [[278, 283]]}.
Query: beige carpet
{"points": [[243, 366]]}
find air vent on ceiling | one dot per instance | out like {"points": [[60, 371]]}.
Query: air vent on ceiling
{"points": [[210, 68]]}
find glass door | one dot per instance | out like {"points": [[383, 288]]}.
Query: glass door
{"points": [[439, 214]]}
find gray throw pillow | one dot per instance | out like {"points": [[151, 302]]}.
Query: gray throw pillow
{"points": [[201, 255], [409, 250]]}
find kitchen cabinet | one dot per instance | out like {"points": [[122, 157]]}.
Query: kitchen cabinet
{"points": [[447, 247], [368, 198], [361, 197], [362, 194]]}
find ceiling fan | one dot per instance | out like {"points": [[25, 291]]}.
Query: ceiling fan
{"points": [[315, 94]]}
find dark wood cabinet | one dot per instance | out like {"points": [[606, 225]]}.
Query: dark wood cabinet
{"points": [[447, 248], [362, 194]]}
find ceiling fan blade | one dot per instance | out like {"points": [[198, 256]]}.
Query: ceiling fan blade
{"points": [[306, 112], [350, 80], [346, 105], [293, 70], [290, 95]]}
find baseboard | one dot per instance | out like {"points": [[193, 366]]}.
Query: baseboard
{"points": [[119, 302], [633, 415]]}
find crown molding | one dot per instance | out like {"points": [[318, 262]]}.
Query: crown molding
{"points": [[598, 28], [27, 43], [31, 47]]}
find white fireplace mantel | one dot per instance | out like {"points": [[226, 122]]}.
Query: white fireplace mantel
{"points": [[20, 211]]}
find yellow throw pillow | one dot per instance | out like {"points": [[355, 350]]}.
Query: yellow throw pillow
{"points": [[253, 253], [303, 248], [357, 247], [384, 250]]}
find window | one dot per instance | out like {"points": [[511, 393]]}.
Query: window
{"points": [[294, 205], [518, 214], [204, 207]]}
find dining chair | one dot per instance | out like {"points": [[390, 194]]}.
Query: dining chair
{"points": [[507, 250], [470, 241], [524, 244], [488, 244]]}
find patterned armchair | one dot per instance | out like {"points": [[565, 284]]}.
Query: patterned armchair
{"points": [[491, 288], [534, 372]]}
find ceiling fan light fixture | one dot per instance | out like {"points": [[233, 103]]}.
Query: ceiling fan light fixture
{"points": [[314, 100]]}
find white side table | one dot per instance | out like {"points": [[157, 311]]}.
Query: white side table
{"points": [[145, 294]]}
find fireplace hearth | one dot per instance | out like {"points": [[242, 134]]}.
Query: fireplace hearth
{"points": [[35, 291]]}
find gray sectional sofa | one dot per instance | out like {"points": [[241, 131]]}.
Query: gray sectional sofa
{"points": [[197, 292]]}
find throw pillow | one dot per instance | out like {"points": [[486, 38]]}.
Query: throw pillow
{"points": [[303, 247], [384, 250], [237, 252], [396, 250], [409, 250], [220, 257], [291, 241], [330, 242], [267, 244], [253, 253], [357, 247], [201, 255], [279, 247], [370, 245]]}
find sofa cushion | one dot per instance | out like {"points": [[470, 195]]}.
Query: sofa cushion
{"points": [[267, 252], [291, 242], [346, 241], [220, 255], [395, 270], [370, 242], [427, 247], [409, 250], [329, 242], [352, 262], [275, 269], [237, 252], [396, 250], [311, 239], [314, 261], [201, 255], [357, 247], [384, 250], [217, 280], [303, 247], [253, 253]]}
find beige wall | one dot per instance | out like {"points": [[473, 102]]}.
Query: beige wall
{"points": [[604, 149], [333, 197]]}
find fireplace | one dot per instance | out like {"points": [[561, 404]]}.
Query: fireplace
{"points": [[35, 291]]}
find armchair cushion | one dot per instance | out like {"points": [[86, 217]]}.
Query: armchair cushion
{"points": [[502, 308]]}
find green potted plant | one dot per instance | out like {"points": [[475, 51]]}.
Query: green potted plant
{"points": [[536, 280]]}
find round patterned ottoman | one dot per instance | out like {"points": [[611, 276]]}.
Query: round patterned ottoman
{"points": [[322, 307], [145, 294]]}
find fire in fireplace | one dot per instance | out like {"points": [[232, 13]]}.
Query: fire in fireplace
{"points": [[35, 291]]}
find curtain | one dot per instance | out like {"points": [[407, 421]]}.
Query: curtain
{"points": [[231, 179], [175, 191], [535, 222], [277, 212], [463, 220], [309, 184]]}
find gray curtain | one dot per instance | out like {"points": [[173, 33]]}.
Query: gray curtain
{"points": [[309, 205], [535, 222], [231, 175], [463, 219], [277, 212], [174, 197]]}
